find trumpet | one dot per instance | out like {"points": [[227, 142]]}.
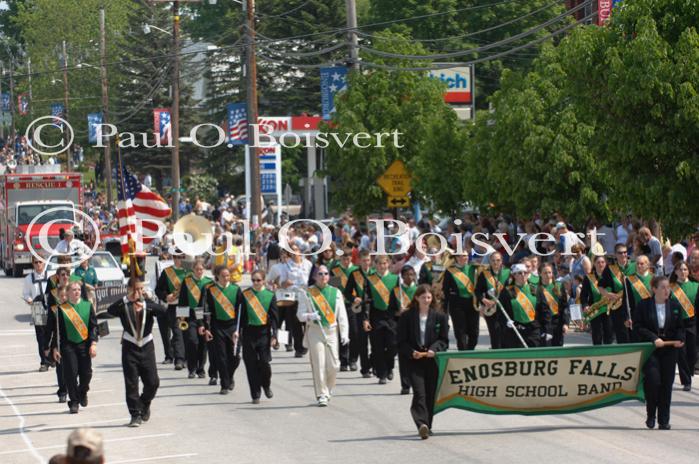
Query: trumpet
{"points": [[182, 323]]}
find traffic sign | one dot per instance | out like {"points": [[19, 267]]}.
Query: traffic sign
{"points": [[396, 180], [398, 202]]}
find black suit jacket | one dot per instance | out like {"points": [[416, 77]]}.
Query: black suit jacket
{"points": [[645, 321], [436, 332]]}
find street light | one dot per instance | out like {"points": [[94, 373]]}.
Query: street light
{"points": [[148, 27]]}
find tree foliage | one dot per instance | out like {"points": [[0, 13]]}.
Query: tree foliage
{"points": [[385, 101]]}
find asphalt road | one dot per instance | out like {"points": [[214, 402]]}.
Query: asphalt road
{"points": [[365, 422]]}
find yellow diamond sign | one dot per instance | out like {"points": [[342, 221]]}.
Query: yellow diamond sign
{"points": [[396, 180]]}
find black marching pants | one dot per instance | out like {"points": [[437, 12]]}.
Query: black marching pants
{"points": [[177, 337], [602, 330], [195, 349], [423, 377], [464, 320], [350, 353], [687, 357], [139, 363], [226, 360], [494, 330], [41, 333], [164, 328], [257, 356], [557, 325], [621, 332], [77, 369], [659, 374], [211, 350], [294, 327], [384, 345]]}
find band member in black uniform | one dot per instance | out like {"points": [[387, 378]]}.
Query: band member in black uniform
{"points": [[223, 302], [459, 288], [552, 297], [520, 303], [163, 320], [340, 272], [56, 294], [258, 324], [168, 290], [422, 332], [356, 292], [488, 287], [192, 297], [659, 320], [593, 304], [137, 349], [34, 290], [638, 287], [381, 322], [614, 278], [75, 344], [401, 297], [686, 293]]}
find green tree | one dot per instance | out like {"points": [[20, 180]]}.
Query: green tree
{"points": [[638, 80], [385, 101], [533, 154]]}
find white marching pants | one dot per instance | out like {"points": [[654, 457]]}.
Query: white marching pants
{"points": [[324, 355]]}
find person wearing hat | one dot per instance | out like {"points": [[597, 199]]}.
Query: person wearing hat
{"points": [[356, 292], [75, 344], [34, 289], [56, 294], [85, 446], [192, 297], [340, 272], [489, 285], [520, 304], [168, 290]]}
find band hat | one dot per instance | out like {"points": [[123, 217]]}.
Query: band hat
{"points": [[519, 268], [560, 225], [85, 438]]}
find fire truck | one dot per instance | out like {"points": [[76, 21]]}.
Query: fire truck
{"points": [[26, 194]]}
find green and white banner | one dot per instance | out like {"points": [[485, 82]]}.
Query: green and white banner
{"points": [[541, 380]]}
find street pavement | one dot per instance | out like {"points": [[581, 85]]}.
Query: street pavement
{"points": [[365, 422]]}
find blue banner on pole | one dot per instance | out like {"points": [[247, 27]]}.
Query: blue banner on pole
{"points": [[332, 81], [5, 101], [57, 111], [237, 116], [93, 120]]}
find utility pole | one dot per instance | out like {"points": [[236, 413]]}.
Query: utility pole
{"points": [[65, 105], [352, 33], [105, 104], [29, 73], [12, 100], [175, 120], [2, 110], [251, 97]]}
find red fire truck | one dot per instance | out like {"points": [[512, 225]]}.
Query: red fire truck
{"points": [[23, 196]]}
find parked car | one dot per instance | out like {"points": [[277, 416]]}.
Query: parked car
{"points": [[109, 271]]}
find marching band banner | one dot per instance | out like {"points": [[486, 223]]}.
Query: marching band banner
{"points": [[541, 380]]}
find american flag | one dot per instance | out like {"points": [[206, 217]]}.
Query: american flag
{"points": [[237, 124], [139, 202]]}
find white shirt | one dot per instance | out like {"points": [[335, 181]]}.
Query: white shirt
{"points": [[33, 289], [423, 327], [297, 273], [75, 246], [660, 310], [622, 234], [276, 272]]}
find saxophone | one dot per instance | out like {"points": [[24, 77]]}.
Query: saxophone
{"points": [[606, 301]]}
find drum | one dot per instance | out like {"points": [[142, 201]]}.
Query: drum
{"points": [[285, 297], [39, 313]]}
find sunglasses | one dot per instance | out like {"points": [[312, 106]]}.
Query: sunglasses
{"points": [[321, 273], [257, 280], [622, 252]]}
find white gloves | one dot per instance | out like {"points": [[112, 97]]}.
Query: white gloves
{"points": [[547, 337], [344, 341], [312, 316], [510, 324]]}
